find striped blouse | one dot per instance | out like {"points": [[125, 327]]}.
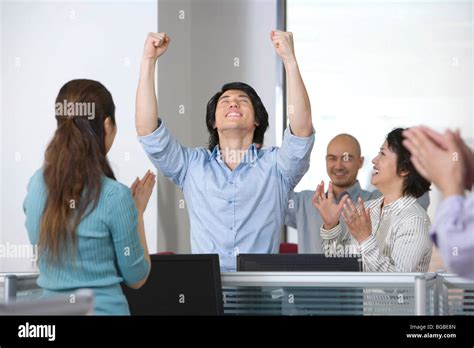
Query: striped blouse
{"points": [[399, 242]]}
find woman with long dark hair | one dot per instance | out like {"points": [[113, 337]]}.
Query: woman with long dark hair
{"points": [[88, 227]]}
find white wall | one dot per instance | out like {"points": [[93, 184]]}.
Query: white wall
{"points": [[371, 66], [43, 45]]}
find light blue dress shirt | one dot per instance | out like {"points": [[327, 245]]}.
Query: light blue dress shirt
{"points": [[232, 212]]}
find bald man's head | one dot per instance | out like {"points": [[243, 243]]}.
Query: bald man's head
{"points": [[347, 140], [343, 160]]}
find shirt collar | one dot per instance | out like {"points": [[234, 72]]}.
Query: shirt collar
{"points": [[352, 191], [400, 204], [215, 153], [252, 154], [250, 157], [378, 202]]}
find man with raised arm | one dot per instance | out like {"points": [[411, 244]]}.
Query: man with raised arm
{"points": [[236, 191]]}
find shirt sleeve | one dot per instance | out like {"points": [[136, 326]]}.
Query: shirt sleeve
{"points": [[453, 232], [34, 205], [290, 218], [123, 221], [410, 244], [167, 154], [293, 157], [332, 240]]}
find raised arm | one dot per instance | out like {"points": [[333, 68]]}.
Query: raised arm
{"points": [[299, 107], [146, 107]]}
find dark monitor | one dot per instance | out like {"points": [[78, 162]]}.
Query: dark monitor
{"points": [[296, 263], [179, 285]]}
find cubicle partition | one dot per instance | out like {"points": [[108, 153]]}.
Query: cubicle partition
{"points": [[328, 293], [316, 293], [456, 295], [358, 293]]}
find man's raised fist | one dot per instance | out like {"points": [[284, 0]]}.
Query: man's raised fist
{"points": [[155, 45], [283, 43]]}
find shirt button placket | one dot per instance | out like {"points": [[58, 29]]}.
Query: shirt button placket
{"points": [[231, 207]]}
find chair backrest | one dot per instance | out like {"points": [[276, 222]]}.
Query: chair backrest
{"points": [[288, 248]]}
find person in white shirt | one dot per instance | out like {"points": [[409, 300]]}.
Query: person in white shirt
{"points": [[391, 233]]}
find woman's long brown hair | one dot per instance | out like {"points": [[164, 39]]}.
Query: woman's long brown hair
{"points": [[75, 163]]}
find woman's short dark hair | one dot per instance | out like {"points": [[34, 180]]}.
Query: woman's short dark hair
{"points": [[414, 185], [261, 115]]}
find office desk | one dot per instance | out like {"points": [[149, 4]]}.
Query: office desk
{"points": [[316, 293]]}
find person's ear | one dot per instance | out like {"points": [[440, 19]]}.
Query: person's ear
{"points": [[109, 126], [362, 158], [404, 173]]}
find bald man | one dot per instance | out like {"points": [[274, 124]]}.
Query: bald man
{"points": [[343, 162]]}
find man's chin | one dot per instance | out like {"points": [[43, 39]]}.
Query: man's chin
{"points": [[341, 182], [235, 125]]}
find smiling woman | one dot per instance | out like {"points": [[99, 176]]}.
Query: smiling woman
{"points": [[413, 183], [390, 232]]}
